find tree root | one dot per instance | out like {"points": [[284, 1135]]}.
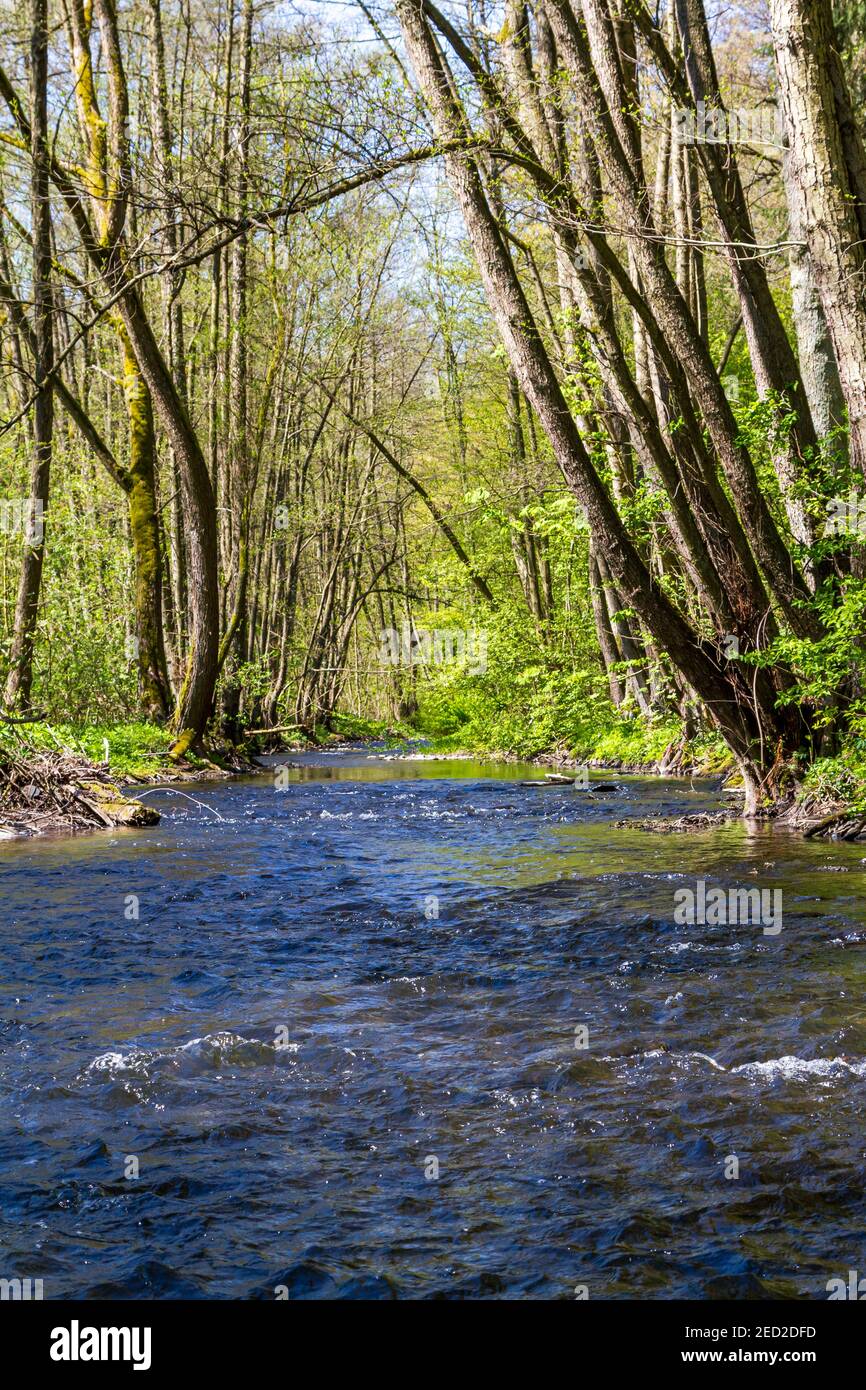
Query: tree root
{"points": [[848, 824]]}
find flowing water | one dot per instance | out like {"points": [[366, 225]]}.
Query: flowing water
{"points": [[288, 1008]]}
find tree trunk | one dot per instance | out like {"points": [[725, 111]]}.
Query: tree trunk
{"points": [[242, 481], [610, 655], [817, 362], [153, 687], [824, 165], [20, 676], [739, 721], [195, 701], [783, 577]]}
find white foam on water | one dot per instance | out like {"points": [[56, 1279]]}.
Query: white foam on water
{"points": [[787, 1068], [800, 1069], [676, 946], [218, 1047]]}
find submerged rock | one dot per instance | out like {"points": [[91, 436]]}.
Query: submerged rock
{"points": [[111, 805]]}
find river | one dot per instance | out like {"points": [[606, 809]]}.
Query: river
{"points": [[409, 1028]]}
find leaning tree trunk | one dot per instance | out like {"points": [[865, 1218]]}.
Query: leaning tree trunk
{"points": [[680, 330], [104, 247], [748, 730], [610, 654], [195, 701]]}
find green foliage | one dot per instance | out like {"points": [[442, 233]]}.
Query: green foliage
{"points": [[841, 778], [132, 748], [630, 741], [135, 749], [357, 728], [825, 666], [531, 695], [83, 671]]}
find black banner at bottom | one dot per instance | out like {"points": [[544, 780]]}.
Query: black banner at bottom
{"points": [[234, 1340]]}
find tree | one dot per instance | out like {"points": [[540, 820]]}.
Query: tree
{"points": [[20, 677]]}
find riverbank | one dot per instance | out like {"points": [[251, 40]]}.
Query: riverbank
{"points": [[55, 778], [61, 793], [62, 779], [830, 800]]}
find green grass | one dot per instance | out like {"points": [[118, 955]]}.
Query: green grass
{"points": [[133, 749], [141, 750], [628, 741]]}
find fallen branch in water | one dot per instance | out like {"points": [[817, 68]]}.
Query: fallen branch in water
{"points": [[847, 824], [698, 820], [176, 792], [278, 729]]}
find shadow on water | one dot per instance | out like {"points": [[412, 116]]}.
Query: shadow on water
{"points": [[286, 1016]]}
